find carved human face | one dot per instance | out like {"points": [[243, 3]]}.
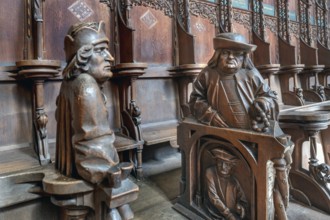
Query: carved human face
{"points": [[230, 61], [100, 63], [224, 167]]}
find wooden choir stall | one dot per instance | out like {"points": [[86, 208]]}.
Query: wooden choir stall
{"points": [[239, 88]]}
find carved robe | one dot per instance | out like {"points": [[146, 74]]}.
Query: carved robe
{"points": [[84, 141], [211, 96], [222, 194]]}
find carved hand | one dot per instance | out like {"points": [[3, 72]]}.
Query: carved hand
{"points": [[240, 210], [231, 217], [262, 106], [263, 110]]}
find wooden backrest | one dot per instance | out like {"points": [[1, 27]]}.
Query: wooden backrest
{"points": [[262, 55], [308, 54], [287, 53]]}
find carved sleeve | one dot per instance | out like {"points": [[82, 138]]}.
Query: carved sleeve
{"points": [[92, 139], [199, 106], [263, 91]]}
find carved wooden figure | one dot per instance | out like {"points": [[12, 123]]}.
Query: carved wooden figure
{"points": [[85, 143], [230, 93]]}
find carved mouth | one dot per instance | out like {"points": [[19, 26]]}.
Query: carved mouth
{"points": [[107, 68]]}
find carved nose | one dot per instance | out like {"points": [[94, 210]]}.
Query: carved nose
{"points": [[108, 56], [231, 54]]}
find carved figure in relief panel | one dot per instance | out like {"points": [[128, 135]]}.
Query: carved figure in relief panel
{"points": [[225, 198], [84, 141], [230, 92]]}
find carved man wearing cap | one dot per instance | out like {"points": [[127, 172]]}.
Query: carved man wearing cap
{"points": [[84, 142], [225, 197], [230, 92]]}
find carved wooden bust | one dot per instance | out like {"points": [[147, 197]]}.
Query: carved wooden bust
{"points": [[230, 92], [84, 142]]}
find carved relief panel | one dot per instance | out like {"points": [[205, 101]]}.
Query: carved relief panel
{"points": [[224, 173]]}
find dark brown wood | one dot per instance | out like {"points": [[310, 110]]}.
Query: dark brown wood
{"points": [[38, 69], [216, 108], [158, 93], [309, 184]]}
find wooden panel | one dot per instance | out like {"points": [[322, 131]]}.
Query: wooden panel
{"points": [[153, 43], [157, 99], [204, 33], [58, 20], [15, 113], [37, 209], [272, 39], [11, 34]]}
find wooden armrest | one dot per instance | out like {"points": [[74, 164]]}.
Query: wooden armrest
{"points": [[123, 142]]}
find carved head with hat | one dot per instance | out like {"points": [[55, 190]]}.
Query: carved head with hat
{"points": [[225, 160], [86, 50], [232, 50], [233, 41], [83, 34]]}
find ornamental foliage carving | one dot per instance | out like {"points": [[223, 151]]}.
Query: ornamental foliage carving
{"points": [[205, 10], [243, 17], [163, 5], [294, 29], [271, 24]]}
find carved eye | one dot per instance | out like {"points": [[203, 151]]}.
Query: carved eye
{"points": [[98, 50]]}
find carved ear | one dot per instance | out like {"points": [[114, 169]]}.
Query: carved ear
{"points": [[101, 26], [68, 46]]}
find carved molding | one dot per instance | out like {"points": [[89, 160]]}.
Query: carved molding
{"points": [[243, 17], [163, 5], [205, 10]]}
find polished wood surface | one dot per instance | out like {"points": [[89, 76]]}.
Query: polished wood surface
{"points": [[172, 52]]}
